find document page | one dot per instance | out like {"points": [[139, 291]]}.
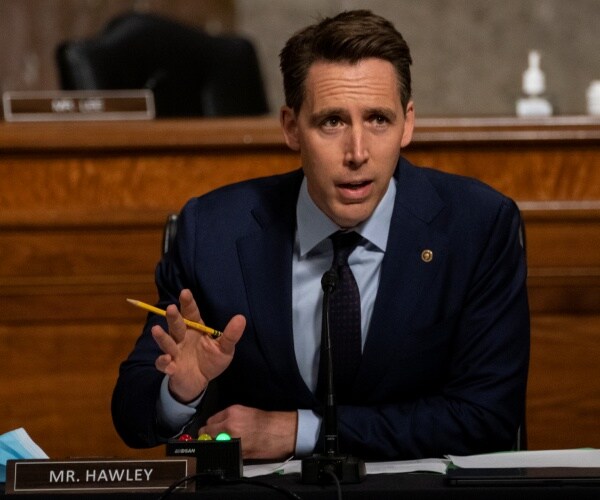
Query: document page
{"points": [[584, 457]]}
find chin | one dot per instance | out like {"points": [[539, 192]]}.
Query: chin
{"points": [[350, 215], [346, 222]]}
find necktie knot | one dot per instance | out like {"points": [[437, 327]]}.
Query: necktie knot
{"points": [[344, 244]]}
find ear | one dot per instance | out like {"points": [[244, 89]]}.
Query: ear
{"points": [[409, 124], [289, 125]]}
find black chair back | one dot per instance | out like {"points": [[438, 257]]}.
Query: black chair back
{"points": [[190, 72]]}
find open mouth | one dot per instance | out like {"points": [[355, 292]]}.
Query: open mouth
{"points": [[355, 185], [355, 192]]}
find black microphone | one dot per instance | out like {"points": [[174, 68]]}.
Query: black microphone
{"points": [[320, 469], [328, 283]]}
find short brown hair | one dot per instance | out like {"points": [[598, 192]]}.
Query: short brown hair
{"points": [[347, 37]]}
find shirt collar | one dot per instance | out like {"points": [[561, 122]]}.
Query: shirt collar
{"points": [[314, 226]]}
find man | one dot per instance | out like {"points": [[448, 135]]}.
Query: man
{"points": [[440, 269]]}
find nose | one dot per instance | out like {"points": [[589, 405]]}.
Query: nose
{"points": [[357, 152]]}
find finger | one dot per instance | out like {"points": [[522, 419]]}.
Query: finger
{"points": [[177, 327], [232, 333], [164, 363], [216, 423], [189, 308], [166, 343]]}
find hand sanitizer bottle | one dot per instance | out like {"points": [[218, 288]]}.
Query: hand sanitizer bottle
{"points": [[534, 85], [593, 98]]}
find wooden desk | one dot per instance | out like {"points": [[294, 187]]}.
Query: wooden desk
{"points": [[81, 212]]}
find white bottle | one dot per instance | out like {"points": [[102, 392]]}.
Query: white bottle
{"points": [[593, 98], [534, 85]]}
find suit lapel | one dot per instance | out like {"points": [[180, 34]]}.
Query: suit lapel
{"points": [[266, 261], [406, 271]]}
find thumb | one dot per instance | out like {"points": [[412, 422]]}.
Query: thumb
{"points": [[232, 333]]}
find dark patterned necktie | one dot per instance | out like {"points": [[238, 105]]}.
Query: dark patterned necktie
{"points": [[344, 317]]}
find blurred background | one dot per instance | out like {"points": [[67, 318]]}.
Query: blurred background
{"points": [[469, 55]]}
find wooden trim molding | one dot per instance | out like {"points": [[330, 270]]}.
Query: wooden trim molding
{"points": [[249, 133]]}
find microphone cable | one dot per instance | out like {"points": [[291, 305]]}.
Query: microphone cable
{"points": [[218, 479]]}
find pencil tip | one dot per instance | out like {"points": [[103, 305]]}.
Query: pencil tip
{"points": [[131, 301]]}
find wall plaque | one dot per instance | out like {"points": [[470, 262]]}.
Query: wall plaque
{"points": [[95, 475]]}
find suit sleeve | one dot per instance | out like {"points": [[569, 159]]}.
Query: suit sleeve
{"points": [[480, 405], [134, 400]]}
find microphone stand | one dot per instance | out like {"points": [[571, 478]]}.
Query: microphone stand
{"points": [[319, 468]]}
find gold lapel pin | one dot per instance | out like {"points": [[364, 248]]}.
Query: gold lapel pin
{"points": [[427, 255]]}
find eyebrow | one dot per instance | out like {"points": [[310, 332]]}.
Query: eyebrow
{"points": [[318, 117], [389, 113]]}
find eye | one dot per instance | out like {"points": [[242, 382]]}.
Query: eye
{"points": [[331, 122], [380, 119]]}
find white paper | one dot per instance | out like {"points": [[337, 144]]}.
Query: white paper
{"points": [[422, 465], [290, 466], [584, 457], [287, 467]]}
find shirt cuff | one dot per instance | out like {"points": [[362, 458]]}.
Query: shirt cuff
{"points": [[172, 414], [309, 424]]}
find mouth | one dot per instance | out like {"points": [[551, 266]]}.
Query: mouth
{"points": [[354, 185], [355, 190]]}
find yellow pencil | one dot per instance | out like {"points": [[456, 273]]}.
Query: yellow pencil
{"points": [[215, 334]]}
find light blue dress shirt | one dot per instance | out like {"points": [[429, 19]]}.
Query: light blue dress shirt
{"points": [[313, 254]]}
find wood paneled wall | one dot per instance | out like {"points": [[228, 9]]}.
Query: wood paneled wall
{"points": [[82, 207]]}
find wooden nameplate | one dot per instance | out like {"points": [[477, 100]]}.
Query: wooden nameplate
{"points": [[97, 475], [28, 106]]}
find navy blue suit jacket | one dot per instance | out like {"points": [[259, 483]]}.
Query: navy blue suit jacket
{"points": [[445, 362]]}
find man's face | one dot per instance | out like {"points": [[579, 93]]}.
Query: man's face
{"points": [[349, 132]]}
